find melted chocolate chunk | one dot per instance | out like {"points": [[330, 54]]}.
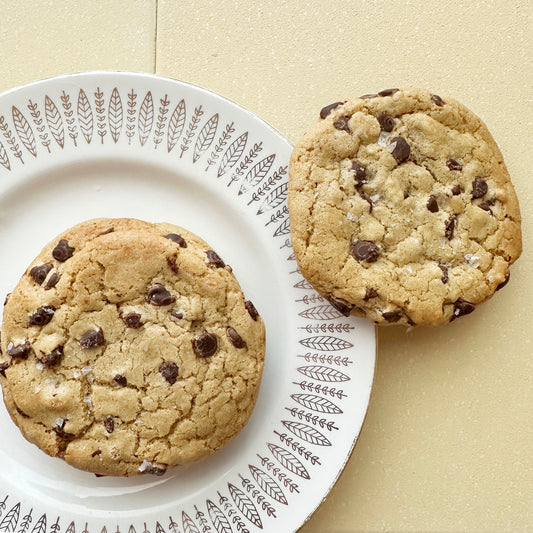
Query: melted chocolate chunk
{"points": [[92, 338], [449, 227], [178, 239], [405, 195], [109, 424], [400, 149], [453, 164], [325, 111], [3, 367], [39, 273], [486, 207], [504, 282], [155, 469], [62, 251], [365, 251], [235, 338], [53, 357], [205, 344], [7, 298], [342, 123], [367, 199], [21, 412], [359, 174], [94, 454], [171, 262], [479, 188], [392, 316], [176, 314], [169, 371], [42, 316], [121, 380], [133, 320], [61, 433], [252, 311], [158, 295], [444, 278], [368, 96], [19, 352], [108, 231], [437, 99], [432, 204], [370, 293], [52, 281], [462, 307], [213, 259], [388, 92], [385, 121], [456, 190], [342, 306]]}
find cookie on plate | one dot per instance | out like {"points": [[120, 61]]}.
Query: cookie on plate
{"points": [[402, 209], [128, 347]]}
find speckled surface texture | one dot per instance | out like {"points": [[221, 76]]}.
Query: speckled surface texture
{"points": [[447, 442]]}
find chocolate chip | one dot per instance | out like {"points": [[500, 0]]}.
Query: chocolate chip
{"points": [[252, 311], [359, 174], [42, 316], [205, 344], [19, 352], [7, 298], [62, 251], [479, 188], [235, 338], [453, 164], [53, 357], [437, 99], [176, 314], [385, 121], [400, 149], [342, 306], [92, 338], [213, 259], [504, 282], [388, 92], [108, 231], [368, 96], [370, 293], [365, 251], [169, 371], [457, 189], [392, 316], [21, 412], [155, 469], [405, 195], [133, 320], [444, 278], [462, 307], [94, 454], [178, 239], [449, 227], [109, 424], [121, 380], [367, 199], [486, 207], [158, 295], [61, 433], [171, 262], [52, 281], [3, 367], [39, 273], [342, 123], [325, 111], [432, 204]]}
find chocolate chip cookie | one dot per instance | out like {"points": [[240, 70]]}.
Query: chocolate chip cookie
{"points": [[402, 209], [128, 347]]}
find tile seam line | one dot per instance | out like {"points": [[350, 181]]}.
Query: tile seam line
{"points": [[155, 36]]}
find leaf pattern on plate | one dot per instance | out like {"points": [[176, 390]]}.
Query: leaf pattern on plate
{"points": [[232, 154], [69, 117], [317, 403], [100, 114], [326, 343], [4, 159], [193, 125], [268, 485], [246, 162], [307, 433], [321, 312], [24, 131], [257, 173], [40, 526], [222, 141], [245, 505], [85, 116], [11, 518], [161, 120], [146, 118], [323, 373], [288, 460], [218, 518], [188, 524], [54, 120], [176, 125], [115, 115], [205, 137]]}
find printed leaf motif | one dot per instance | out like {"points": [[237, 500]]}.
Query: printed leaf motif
{"points": [[176, 125], [4, 159], [326, 343], [115, 115], [54, 120], [305, 432], [245, 505], [146, 118], [274, 199], [321, 312], [40, 526], [268, 485], [205, 137], [288, 460], [24, 131], [303, 284], [323, 373], [188, 525], [10, 520], [71, 528], [232, 154], [218, 518], [283, 228], [85, 116], [317, 403], [257, 173], [159, 528]]}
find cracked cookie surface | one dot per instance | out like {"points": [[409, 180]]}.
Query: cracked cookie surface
{"points": [[402, 209], [128, 347]]}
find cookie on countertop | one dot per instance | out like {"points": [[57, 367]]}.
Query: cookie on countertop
{"points": [[402, 209], [128, 347]]}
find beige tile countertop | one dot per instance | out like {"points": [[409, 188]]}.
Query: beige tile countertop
{"points": [[448, 440]]}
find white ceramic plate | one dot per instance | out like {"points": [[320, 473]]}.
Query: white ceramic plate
{"points": [[135, 145]]}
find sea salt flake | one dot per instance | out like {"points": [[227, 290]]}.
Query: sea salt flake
{"points": [[39, 366], [37, 390], [374, 198], [352, 217], [86, 370], [472, 260], [145, 466], [76, 374], [383, 137], [89, 401], [409, 269], [60, 422]]}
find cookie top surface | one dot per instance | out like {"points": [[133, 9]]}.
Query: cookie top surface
{"points": [[402, 209], [128, 347]]}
